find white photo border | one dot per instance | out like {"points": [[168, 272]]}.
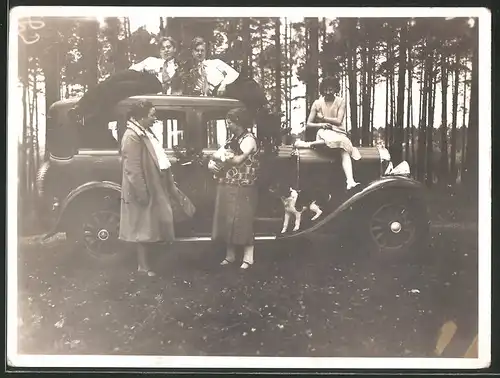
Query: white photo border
{"points": [[484, 201]]}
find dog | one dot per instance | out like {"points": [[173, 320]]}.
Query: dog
{"points": [[297, 202]]}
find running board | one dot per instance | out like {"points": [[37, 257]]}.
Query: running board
{"points": [[208, 238]]}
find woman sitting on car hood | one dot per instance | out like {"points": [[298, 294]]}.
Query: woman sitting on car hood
{"points": [[329, 110]]}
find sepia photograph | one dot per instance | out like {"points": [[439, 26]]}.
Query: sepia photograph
{"points": [[194, 187]]}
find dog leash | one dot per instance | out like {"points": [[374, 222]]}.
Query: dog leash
{"points": [[296, 153]]}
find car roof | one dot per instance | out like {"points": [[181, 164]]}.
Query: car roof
{"points": [[165, 100], [168, 100]]}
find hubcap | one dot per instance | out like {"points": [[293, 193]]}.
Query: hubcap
{"points": [[103, 235], [100, 233], [396, 227], [392, 226]]}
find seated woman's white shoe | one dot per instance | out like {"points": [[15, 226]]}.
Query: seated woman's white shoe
{"points": [[351, 185], [302, 144]]}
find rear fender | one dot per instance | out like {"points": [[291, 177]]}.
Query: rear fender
{"points": [[415, 187], [79, 193]]}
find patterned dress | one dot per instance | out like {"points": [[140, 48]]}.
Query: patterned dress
{"points": [[236, 199]]}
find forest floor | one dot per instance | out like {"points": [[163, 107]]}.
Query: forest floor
{"points": [[290, 303]]}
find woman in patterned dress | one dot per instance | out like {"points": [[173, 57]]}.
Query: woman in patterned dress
{"points": [[236, 199], [329, 109]]}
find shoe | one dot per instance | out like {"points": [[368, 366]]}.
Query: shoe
{"points": [[352, 185], [149, 273], [245, 265], [226, 262]]}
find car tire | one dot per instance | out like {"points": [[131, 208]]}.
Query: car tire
{"points": [[93, 231], [394, 226]]}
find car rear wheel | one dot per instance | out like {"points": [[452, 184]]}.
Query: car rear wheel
{"points": [[395, 227]]}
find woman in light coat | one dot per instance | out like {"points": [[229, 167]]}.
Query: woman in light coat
{"points": [[147, 186]]}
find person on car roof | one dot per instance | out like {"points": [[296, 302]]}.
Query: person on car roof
{"points": [[214, 77], [151, 76]]}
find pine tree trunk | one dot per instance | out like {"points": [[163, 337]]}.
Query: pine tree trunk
{"points": [[52, 77], [393, 101], [262, 65], [25, 143], [313, 60], [453, 152], [443, 178], [277, 42], [246, 68], [91, 54], [23, 160], [345, 76], [471, 163], [353, 90], [32, 148], [464, 128], [397, 149], [372, 109], [409, 110], [290, 108], [37, 140], [287, 72], [423, 123], [386, 130], [430, 124], [365, 104]]}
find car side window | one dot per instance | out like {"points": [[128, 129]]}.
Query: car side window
{"points": [[99, 133], [170, 127], [214, 128]]}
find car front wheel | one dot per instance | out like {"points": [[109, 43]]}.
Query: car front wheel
{"points": [[95, 232]]}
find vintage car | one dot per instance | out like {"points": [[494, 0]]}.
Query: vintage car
{"points": [[79, 185]]}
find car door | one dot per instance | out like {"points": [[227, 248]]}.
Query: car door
{"points": [[175, 127], [213, 133]]}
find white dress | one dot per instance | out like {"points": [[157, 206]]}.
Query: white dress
{"points": [[333, 138]]}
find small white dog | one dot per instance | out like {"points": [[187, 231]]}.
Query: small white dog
{"points": [[290, 205]]}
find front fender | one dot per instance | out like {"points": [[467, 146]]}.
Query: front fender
{"points": [[373, 187], [77, 193]]}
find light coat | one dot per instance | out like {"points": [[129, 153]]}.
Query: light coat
{"points": [[146, 211]]}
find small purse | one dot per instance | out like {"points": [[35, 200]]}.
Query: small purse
{"points": [[182, 207]]}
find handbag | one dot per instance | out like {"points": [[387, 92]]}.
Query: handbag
{"points": [[182, 207]]}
